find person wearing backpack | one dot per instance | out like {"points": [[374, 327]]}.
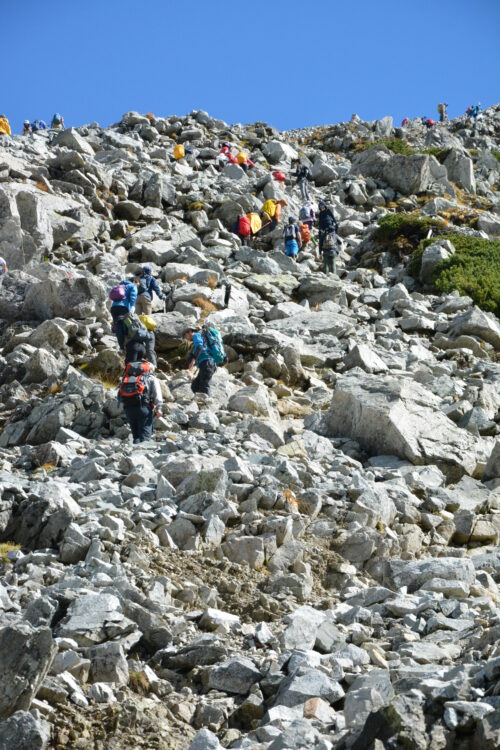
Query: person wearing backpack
{"points": [[244, 229], [146, 286], [327, 244], [57, 122], [443, 111], [4, 126], [37, 125], [292, 238], [307, 215], [207, 348], [303, 174], [141, 398]]}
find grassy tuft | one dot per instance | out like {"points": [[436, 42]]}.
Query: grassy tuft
{"points": [[396, 145], [7, 547]]}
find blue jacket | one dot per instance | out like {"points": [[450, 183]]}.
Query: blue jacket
{"points": [[151, 285], [130, 296], [199, 351]]}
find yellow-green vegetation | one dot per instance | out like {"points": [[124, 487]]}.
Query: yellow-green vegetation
{"points": [[439, 153], [396, 145], [404, 232], [139, 683], [474, 270], [496, 154], [7, 547]]}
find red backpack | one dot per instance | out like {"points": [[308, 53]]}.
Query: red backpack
{"points": [[136, 382], [244, 226]]}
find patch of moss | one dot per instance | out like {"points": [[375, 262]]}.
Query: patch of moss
{"points": [[403, 232], [496, 154]]}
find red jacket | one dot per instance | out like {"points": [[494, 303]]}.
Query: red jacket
{"points": [[227, 152]]}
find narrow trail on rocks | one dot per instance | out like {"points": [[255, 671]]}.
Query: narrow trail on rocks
{"points": [[306, 558]]}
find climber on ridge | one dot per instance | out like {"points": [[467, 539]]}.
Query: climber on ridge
{"points": [[303, 174], [292, 238], [327, 244], [141, 398], [4, 126], [205, 353]]}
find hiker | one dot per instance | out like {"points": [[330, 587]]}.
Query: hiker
{"points": [[271, 212], [255, 223], [141, 398], [37, 125], [226, 151], [292, 238], [4, 126], [443, 112], [403, 123], [146, 286], [327, 244], [26, 128], [305, 233], [244, 161], [204, 357], [179, 152], [428, 122], [244, 228], [303, 174], [473, 111], [57, 122], [307, 215], [3, 267]]}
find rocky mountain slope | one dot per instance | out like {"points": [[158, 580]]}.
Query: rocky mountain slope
{"points": [[308, 558]]}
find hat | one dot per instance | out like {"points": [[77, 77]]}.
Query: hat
{"points": [[322, 204], [26, 122], [147, 269], [194, 329], [291, 220]]}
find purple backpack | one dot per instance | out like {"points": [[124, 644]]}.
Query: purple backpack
{"points": [[118, 293]]}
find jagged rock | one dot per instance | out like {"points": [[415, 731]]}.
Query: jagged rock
{"points": [[236, 675], [475, 322], [24, 730], [72, 139], [432, 256], [26, 654], [390, 416], [94, 618], [460, 170]]}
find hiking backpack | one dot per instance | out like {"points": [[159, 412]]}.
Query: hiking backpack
{"points": [[57, 119], [118, 293], [136, 383], [304, 214], [329, 244], [213, 342], [135, 329], [143, 286], [290, 232]]}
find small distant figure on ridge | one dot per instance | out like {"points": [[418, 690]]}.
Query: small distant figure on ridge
{"points": [[146, 286], [473, 111], [26, 128], [404, 122], [37, 125], [4, 126], [57, 122], [443, 111]]}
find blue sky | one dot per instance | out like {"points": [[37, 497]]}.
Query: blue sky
{"points": [[284, 62]]}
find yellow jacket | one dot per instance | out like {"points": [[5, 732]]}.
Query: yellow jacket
{"points": [[4, 126]]}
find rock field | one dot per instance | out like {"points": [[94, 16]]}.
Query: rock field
{"points": [[306, 560]]}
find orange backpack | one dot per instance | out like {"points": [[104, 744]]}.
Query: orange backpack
{"points": [[305, 232]]}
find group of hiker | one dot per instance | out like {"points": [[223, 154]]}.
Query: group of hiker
{"points": [[57, 123], [140, 391], [471, 112]]}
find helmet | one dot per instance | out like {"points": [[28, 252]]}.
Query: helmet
{"points": [[26, 122], [291, 220]]}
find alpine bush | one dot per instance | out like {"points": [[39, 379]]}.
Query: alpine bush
{"points": [[474, 270], [397, 232]]}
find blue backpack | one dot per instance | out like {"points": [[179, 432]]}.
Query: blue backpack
{"points": [[214, 344]]}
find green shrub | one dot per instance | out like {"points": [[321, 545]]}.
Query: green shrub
{"points": [[396, 145], [397, 232], [496, 154], [474, 270]]}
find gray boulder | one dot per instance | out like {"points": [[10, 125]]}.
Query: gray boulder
{"points": [[432, 256], [399, 417], [460, 169], [72, 139], [24, 731], [26, 654], [475, 322]]}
